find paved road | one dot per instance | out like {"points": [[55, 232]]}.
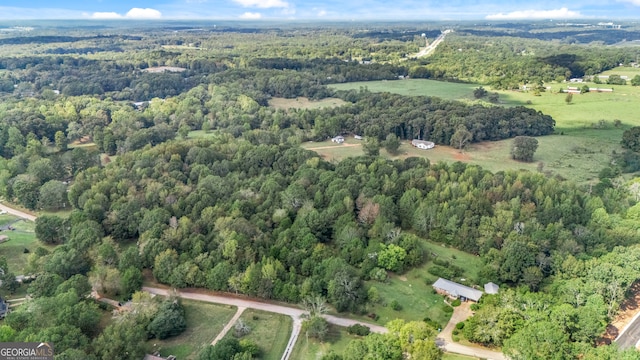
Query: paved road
{"points": [[445, 341], [432, 47], [19, 213], [630, 336]]}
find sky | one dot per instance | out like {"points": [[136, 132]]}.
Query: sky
{"points": [[348, 10]]}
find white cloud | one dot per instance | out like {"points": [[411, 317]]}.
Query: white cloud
{"points": [[146, 13], [634, 2], [322, 13], [250, 16], [135, 13], [264, 4], [106, 15], [562, 13]]}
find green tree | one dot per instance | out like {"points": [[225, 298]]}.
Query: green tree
{"points": [[631, 139], [540, 340], [461, 137], [131, 281], [316, 327], [523, 148], [53, 195], [392, 144], [479, 92], [61, 141], [371, 146], [169, 320], [568, 99], [635, 81], [50, 229], [391, 257], [124, 340]]}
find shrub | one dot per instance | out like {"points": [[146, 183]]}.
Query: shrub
{"points": [[455, 338], [456, 302], [432, 323], [447, 309], [475, 307], [373, 316], [395, 305], [455, 332], [460, 325], [358, 329]]}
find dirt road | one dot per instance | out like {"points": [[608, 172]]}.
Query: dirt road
{"points": [[18, 213]]}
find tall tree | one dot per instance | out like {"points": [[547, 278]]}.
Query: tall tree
{"points": [[523, 148]]}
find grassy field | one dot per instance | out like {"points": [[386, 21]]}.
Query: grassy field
{"points": [[204, 322], [336, 340], [413, 290], [450, 356], [415, 87], [304, 103], [270, 331], [582, 145], [23, 237], [623, 71]]}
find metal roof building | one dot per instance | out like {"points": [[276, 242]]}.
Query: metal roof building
{"points": [[457, 290]]}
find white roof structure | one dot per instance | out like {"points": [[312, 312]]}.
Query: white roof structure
{"points": [[457, 290], [491, 288]]}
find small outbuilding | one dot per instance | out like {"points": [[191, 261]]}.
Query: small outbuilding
{"points": [[456, 291], [3, 238], [491, 288], [338, 139]]}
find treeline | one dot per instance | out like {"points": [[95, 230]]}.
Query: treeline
{"points": [[582, 36], [507, 62], [277, 222]]}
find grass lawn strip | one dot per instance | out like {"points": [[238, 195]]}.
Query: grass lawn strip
{"points": [[270, 331], [204, 322]]}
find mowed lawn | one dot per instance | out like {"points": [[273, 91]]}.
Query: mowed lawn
{"points": [[23, 237], [304, 103], [413, 290], [269, 331], [336, 340], [415, 87], [204, 322]]}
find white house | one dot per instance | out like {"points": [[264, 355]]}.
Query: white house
{"points": [[421, 144]]}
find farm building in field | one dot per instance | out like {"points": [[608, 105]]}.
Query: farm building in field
{"points": [[456, 291], [421, 144], [357, 137], [338, 139]]}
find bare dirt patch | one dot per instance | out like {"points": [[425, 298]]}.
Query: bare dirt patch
{"points": [[402, 278], [628, 310], [461, 156]]}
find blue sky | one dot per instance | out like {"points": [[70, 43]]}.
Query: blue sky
{"points": [[316, 9]]}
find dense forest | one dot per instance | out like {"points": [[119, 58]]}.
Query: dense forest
{"points": [[86, 125]]}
